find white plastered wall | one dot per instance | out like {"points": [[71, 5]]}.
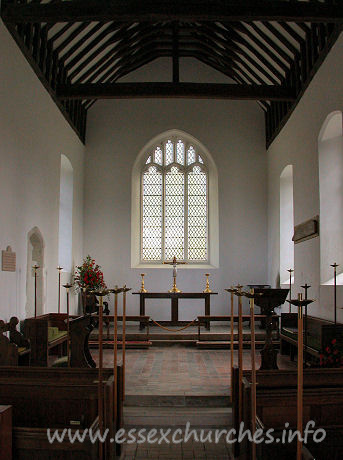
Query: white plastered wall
{"points": [[297, 144], [233, 133], [33, 135]]}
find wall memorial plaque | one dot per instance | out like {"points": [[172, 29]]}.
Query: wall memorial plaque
{"points": [[8, 260], [306, 230]]}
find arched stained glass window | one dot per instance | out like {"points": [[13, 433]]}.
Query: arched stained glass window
{"points": [[174, 203]]}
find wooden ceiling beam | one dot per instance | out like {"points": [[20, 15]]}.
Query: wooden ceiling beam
{"points": [[175, 90], [159, 10]]}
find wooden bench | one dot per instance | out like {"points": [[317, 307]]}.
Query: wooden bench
{"points": [[320, 333], [14, 350], [46, 333], [58, 398], [277, 404]]}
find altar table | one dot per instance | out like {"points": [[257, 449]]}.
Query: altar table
{"points": [[174, 298]]}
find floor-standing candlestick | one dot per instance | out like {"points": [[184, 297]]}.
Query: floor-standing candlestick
{"points": [[251, 297], [115, 291], [306, 287], [300, 303], [101, 294], [290, 288], [232, 290], [239, 294], [68, 286], [59, 288], [35, 267], [125, 289], [335, 289], [300, 378]]}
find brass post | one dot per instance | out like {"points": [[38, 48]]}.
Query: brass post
{"points": [[59, 288]]}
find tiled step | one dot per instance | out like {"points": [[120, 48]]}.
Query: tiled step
{"points": [[177, 401], [177, 416], [226, 345]]}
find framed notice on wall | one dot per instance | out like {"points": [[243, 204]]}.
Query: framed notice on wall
{"points": [[8, 260]]}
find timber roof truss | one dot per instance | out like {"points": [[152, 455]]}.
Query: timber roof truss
{"points": [[268, 49]]}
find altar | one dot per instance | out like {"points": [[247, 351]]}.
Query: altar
{"points": [[174, 299]]}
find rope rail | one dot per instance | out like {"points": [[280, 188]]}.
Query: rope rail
{"points": [[174, 330]]}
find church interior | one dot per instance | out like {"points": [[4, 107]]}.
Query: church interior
{"points": [[172, 229]]}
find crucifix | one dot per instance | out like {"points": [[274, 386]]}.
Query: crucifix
{"points": [[174, 263]]}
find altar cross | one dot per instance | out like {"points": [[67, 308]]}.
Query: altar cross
{"points": [[174, 263]]}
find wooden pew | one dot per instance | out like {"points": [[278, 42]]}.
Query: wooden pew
{"points": [[277, 404], [320, 332], [46, 333], [58, 398], [6, 432], [14, 350]]}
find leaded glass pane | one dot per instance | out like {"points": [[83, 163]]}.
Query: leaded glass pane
{"points": [[152, 214], [197, 214], [174, 214], [148, 160], [190, 155], [200, 160], [180, 152], [169, 153], [158, 156]]}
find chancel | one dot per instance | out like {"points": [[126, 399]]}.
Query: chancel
{"points": [[171, 229]]}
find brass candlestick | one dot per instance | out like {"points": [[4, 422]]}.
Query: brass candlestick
{"points": [[174, 263], [142, 284], [207, 289], [59, 288], [35, 267]]}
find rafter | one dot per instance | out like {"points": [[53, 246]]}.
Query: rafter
{"points": [[159, 10]]}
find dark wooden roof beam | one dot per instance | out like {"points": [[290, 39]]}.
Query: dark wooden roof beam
{"points": [[158, 10], [175, 90]]}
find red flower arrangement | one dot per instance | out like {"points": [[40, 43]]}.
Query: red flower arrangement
{"points": [[89, 275], [332, 356]]}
